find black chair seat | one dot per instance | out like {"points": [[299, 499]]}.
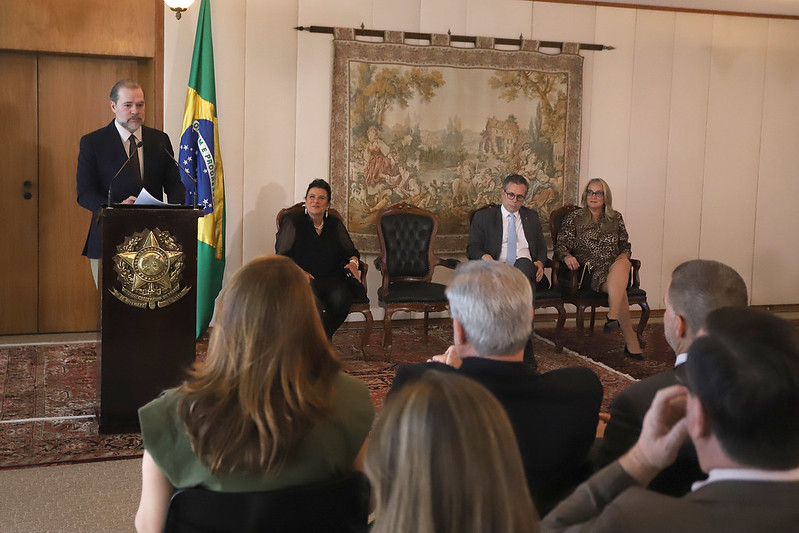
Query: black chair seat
{"points": [[341, 505], [548, 294], [415, 291], [360, 300]]}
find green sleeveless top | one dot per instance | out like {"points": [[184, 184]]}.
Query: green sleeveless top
{"points": [[327, 452]]}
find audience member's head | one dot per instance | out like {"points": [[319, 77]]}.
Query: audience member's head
{"points": [[745, 373], [443, 457], [262, 385], [697, 288], [493, 303]]}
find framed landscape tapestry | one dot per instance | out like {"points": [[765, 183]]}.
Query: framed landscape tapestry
{"points": [[441, 126]]}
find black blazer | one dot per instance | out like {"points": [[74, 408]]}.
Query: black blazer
{"points": [[485, 234], [554, 416], [102, 153]]}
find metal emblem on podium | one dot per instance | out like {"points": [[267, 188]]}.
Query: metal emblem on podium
{"points": [[149, 266]]}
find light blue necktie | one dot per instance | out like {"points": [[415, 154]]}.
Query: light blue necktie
{"points": [[511, 256]]}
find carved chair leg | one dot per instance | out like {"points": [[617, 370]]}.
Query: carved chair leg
{"points": [[642, 322], [593, 320], [387, 332], [367, 331], [580, 319], [559, 327], [426, 324]]}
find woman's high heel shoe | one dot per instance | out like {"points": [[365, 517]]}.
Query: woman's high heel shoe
{"points": [[611, 324], [637, 356]]}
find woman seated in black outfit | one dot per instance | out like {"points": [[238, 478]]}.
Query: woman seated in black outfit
{"points": [[322, 247]]}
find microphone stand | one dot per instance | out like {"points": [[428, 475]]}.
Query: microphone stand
{"points": [[111, 183], [186, 172]]}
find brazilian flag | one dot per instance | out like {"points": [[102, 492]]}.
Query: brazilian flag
{"points": [[200, 155]]}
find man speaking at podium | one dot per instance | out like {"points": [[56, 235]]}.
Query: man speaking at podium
{"points": [[116, 161]]}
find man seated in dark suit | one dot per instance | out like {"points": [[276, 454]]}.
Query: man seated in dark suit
{"points": [[126, 141], [739, 407], [489, 235], [511, 233], [554, 415], [697, 288]]}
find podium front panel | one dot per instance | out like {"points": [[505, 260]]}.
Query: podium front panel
{"points": [[149, 308]]}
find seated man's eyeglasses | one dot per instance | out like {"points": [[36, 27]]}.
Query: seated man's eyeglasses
{"points": [[513, 197]]}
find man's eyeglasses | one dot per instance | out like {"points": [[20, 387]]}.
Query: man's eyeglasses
{"points": [[598, 194], [513, 197]]}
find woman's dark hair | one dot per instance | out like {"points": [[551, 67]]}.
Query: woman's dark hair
{"points": [[319, 184]]}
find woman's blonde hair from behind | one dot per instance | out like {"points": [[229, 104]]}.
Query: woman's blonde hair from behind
{"points": [[443, 457], [608, 218], [268, 376]]}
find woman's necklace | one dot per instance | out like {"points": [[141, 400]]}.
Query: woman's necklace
{"points": [[320, 226]]}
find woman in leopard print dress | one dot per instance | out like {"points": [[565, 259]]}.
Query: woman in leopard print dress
{"points": [[596, 235]]}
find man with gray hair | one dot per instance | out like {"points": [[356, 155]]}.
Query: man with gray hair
{"points": [[697, 288], [555, 414]]}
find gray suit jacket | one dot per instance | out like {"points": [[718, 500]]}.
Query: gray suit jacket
{"points": [[626, 419], [485, 234], [611, 502]]}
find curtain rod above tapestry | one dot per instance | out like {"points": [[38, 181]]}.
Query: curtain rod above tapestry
{"points": [[455, 38]]}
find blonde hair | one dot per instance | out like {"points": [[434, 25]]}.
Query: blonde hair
{"points": [[443, 457], [609, 216], [268, 375]]}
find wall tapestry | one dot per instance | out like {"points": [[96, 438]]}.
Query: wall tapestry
{"points": [[440, 126]]}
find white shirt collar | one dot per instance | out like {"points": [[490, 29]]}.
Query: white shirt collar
{"points": [[505, 212], [747, 474], [124, 134], [681, 358]]}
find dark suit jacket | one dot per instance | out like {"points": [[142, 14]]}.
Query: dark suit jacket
{"points": [[611, 503], [626, 419], [102, 153], [485, 234], [554, 416]]}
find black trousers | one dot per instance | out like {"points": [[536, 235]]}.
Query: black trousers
{"points": [[334, 296], [528, 269]]}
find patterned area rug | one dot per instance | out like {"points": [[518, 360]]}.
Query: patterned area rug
{"points": [[608, 349], [48, 381]]}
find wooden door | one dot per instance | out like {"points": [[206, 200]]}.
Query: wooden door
{"points": [[19, 193], [73, 100]]}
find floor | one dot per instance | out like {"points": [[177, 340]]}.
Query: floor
{"points": [[87, 498]]}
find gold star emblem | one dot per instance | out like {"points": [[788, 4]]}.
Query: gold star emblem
{"points": [[150, 263]]}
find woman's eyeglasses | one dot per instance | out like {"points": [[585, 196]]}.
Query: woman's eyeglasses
{"points": [[598, 194]]}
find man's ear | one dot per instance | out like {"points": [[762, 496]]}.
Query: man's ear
{"points": [[681, 326], [698, 421], [458, 333]]}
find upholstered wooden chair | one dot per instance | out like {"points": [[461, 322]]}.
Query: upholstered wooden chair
{"points": [[359, 304], [581, 295], [547, 292], [340, 506], [406, 234]]}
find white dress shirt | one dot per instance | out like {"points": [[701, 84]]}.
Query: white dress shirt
{"points": [[522, 246]]}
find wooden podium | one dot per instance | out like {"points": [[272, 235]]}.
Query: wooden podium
{"points": [[149, 308]]}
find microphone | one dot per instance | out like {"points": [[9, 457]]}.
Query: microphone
{"points": [[111, 183], [186, 172]]}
